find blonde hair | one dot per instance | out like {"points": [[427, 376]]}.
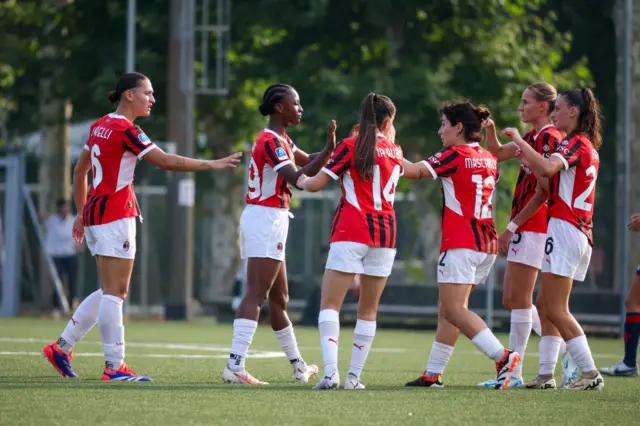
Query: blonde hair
{"points": [[544, 92]]}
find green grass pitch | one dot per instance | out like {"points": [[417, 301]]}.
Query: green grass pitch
{"points": [[186, 359]]}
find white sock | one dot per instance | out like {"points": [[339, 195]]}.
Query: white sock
{"points": [[329, 325], [563, 348], [578, 347], [519, 335], [549, 350], [111, 330], [243, 331], [536, 325], [288, 343], [439, 357], [489, 344], [362, 339], [82, 321]]}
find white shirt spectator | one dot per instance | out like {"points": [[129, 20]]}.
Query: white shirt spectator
{"points": [[59, 240]]}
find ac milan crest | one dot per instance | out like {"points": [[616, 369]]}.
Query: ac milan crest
{"points": [[125, 246], [279, 246]]}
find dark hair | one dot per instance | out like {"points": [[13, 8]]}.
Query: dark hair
{"points": [[375, 109], [128, 81], [590, 118], [544, 92], [469, 115], [272, 97]]}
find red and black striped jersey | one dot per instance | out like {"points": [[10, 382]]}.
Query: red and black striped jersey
{"points": [[115, 145], [265, 187], [365, 214], [545, 143], [468, 174], [573, 189]]}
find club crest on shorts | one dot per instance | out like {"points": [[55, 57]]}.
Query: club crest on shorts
{"points": [[280, 246], [281, 154], [125, 246]]}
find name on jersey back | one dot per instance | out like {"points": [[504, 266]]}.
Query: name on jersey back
{"points": [[480, 163], [101, 132], [395, 153]]}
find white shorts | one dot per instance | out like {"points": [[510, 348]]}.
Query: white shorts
{"points": [[527, 248], [567, 250], [464, 266], [358, 258], [113, 239], [263, 232]]}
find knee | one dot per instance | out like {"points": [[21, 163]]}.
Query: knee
{"points": [[451, 311], [256, 297], [279, 300], [506, 301]]}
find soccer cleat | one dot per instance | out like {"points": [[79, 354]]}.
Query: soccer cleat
{"points": [[539, 383], [569, 371], [504, 368], [585, 383], [328, 382], [240, 377], [425, 381], [60, 360], [302, 372], [620, 370], [123, 374], [515, 382], [353, 382]]}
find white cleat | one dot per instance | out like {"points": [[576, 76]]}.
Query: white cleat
{"points": [[240, 377], [620, 370], [539, 383], [514, 383], [328, 382], [302, 372], [584, 383], [353, 382], [569, 371]]}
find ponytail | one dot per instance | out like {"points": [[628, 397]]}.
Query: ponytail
{"points": [[375, 109], [590, 116]]}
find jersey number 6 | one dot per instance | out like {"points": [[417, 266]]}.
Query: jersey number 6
{"points": [[95, 165]]}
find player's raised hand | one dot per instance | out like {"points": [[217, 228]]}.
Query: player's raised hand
{"points": [[487, 123], [331, 137], [512, 133], [78, 229], [223, 163]]}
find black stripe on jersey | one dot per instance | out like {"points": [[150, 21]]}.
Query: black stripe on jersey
{"points": [[546, 141], [103, 206], [134, 140], [383, 233], [336, 217], [283, 189], [372, 228], [270, 152], [85, 209], [343, 169], [576, 161], [571, 150], [392, 231], [476, 233], [448, 171], [88, 207], [128, 148], [341, 154], [446, 160], [485, 237]]}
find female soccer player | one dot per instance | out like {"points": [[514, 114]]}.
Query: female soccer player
{"points": [[263, 232], [629, 364], [362, 242], [572, 169], [523, 239], [468, 174], [107, 220]]}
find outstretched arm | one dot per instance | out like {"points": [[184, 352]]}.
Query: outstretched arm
{"points": [[178, 163], [415, 170], [502, 152]]}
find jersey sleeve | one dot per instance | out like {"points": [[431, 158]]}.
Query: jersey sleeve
{"points": [[569, 152], [339, 162], [549, 144], [137, 142], [275, 154], [443, 163]]}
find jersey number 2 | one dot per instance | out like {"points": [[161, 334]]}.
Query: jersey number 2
{"points": [[581, 200], [481, 211], [389, 191], [95, 165]]}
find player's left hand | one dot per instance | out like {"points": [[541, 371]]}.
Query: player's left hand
{"points": [[230, 161], [503, 242], [78, 229], [634, 224], [331, 137], [487, 122]]}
